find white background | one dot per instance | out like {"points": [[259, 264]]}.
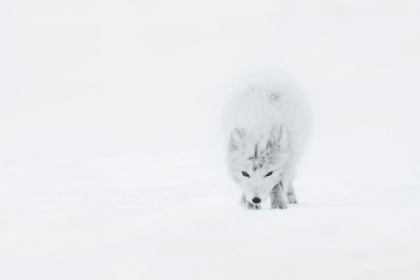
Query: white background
{"points": [[112, 161]]}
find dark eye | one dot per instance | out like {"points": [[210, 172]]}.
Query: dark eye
{"points": [[245, 174], [269, 174]]}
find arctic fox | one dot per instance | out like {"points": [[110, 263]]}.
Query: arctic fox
{"points": [[268, 125]]}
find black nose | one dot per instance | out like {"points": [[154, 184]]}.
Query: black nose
{"points": [[256, 200]]}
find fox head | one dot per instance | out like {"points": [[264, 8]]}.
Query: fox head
{"points": [[256, 162]]}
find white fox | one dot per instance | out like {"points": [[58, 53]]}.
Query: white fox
{"points": [[268, 125]]}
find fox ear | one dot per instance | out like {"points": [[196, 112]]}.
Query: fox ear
{"points": [[237, 139], [278, 137]]}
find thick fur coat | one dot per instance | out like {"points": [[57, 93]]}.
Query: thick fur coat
{"points": [[268, 126]]}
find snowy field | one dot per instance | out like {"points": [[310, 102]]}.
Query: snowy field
{"points": [[112, 158]]}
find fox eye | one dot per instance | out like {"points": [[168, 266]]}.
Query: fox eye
{"points": [[245, 174], [269, 174]]}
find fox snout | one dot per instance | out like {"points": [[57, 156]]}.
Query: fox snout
{"points": [[256, 197]]}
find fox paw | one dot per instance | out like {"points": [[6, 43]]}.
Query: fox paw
{"points": [[250, 206], [292, 198], [278, 206]]}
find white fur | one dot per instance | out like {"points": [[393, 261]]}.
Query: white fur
{"points": [[268, 124]]}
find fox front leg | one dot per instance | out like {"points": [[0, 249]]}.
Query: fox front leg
{"points": [[291, 195], [278, 199], [247, 205]]}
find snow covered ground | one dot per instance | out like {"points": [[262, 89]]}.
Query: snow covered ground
{"points": [[112, 161]]}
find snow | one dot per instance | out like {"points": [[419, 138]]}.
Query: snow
{"points": [[112, 164]]}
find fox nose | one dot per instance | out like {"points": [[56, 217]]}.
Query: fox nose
{"points": [[256, 200]]}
